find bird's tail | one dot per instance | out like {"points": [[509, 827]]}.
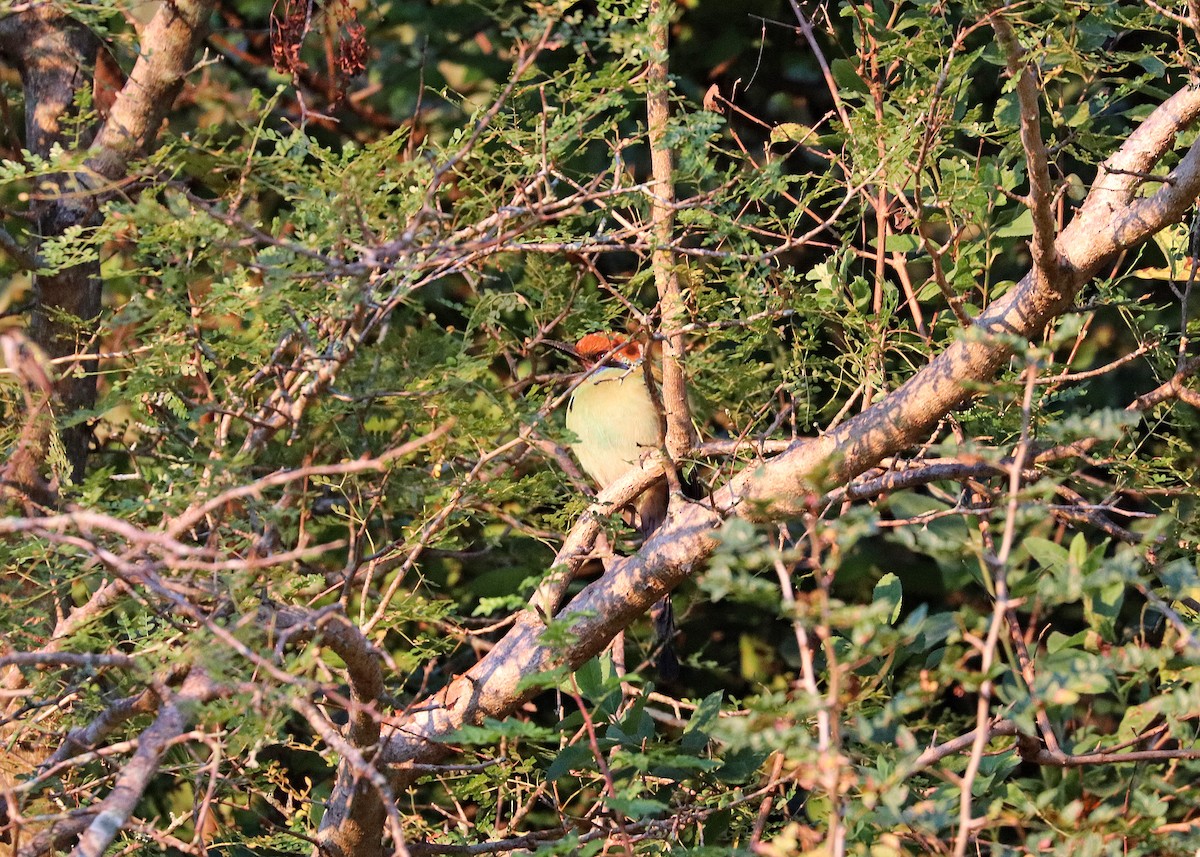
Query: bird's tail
{"points": [[663, 616]]}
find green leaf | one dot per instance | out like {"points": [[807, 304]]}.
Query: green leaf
{"points": [[1020, 226], [570, 758], [792, 132], [1051, 556], [696, 733], [888, 594], [845, 74]]}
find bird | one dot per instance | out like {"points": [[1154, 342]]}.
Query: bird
{"points": [[615, 421]]}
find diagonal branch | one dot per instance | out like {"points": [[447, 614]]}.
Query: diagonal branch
{"points": [[494, 686], [1110, 221], [1102, 229], [491, 688], [173, 716], [18, 252], [168, 45]]}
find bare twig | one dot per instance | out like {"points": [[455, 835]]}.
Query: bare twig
{"points": [[196, 513], [1046, 260], [998, 565], [67, 659], [610, 786], [810, 37]]}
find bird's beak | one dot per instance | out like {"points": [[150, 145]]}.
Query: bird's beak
{"points": [[569, 350]]}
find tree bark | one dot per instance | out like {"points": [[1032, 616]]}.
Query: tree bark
{"points": [[56, 58]]}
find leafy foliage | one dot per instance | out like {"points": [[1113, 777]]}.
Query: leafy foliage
{"points": [[326, 386]]}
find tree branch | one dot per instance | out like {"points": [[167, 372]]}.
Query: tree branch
{"points": [[173, 716], [1102, 229], [494, 685], [361, 658], [1041, 192], [56, 56], [1173, 388], [168, 44], [680, 434], [18, 252]]}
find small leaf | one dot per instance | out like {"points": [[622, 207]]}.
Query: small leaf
{"points": [[695, 736], [888, 592], [792, 132], [1049, 555], [1018, 227]]}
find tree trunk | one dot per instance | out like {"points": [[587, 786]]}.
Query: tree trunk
{"points": [[56, 58]]}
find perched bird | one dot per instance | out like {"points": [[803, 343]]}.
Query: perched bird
{"points": [[616, 423], [613, 416]]}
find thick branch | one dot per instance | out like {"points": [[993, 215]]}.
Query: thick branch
{"points": [[1098, 233], [55, 56], [628, 588], [370, 796], [492, 688], [363, 668], [168, 45], [83, 738], [1173, 388], [18, 252]]}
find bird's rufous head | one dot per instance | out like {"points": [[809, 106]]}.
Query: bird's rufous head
{"points": [[610, 349]]}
